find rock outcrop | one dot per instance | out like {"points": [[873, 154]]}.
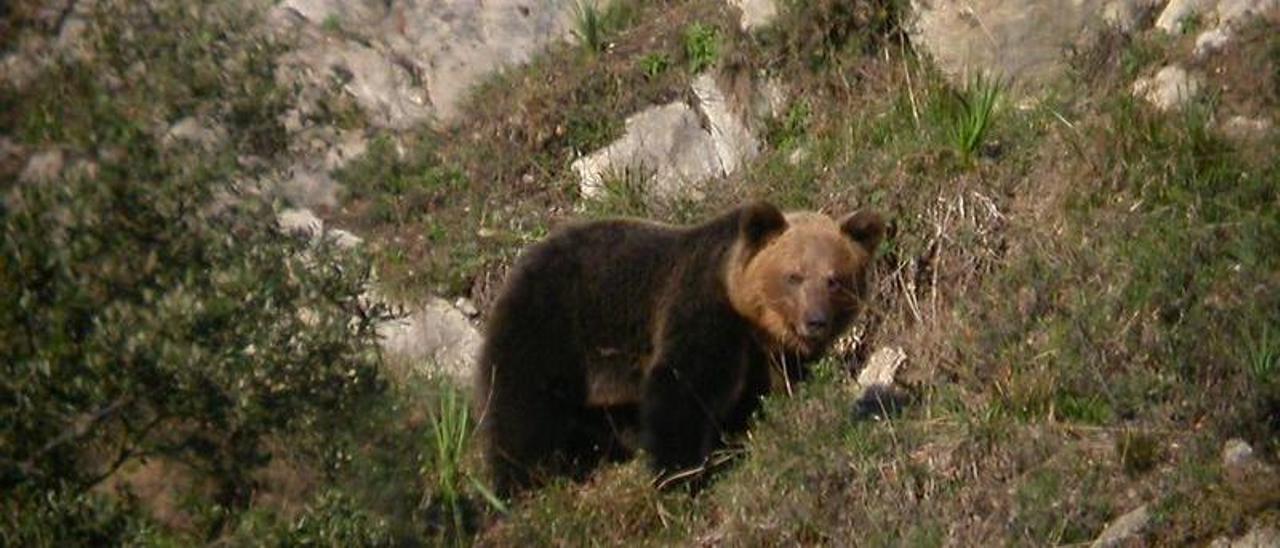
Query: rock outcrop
{"points": [[408, 62], [1018, 40], [671, 149], [1124, 529], [1169, 89]]}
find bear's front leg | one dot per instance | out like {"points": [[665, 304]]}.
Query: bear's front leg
{"points": [[677, 430], [686, 394]]}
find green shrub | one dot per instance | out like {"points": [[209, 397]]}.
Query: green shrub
{"points": [[335, 519], [654, 64], [153, 309], [701, 46], [144, 322]]}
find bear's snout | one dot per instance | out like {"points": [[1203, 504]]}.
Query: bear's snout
{"points": [[816, 323]]}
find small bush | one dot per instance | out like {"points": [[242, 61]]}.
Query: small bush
{"points": [[153, 309], [335, 519], [701, 47], [654, 64]]}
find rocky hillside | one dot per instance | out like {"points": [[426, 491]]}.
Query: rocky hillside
{"points": [[249, 247]]}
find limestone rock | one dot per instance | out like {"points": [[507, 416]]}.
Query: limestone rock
{"points": [[348, 146], [1021, 40], [304, 223], [343, 13], [1211, 41], [343, 239], [300, 222], [467, 307], [1243, 127], [44, 166], [1176, 11], [195, 131], [1258, 537], [882, 367], [1237, 454], [877, 395], [755, 13], [666, 142], [1169, 89], [1124, 528], [1234, 12], [1127, 14], [308, 187], [438, 335], [668, 147], [408, 62], [389, 92], [1253, 482], [733, 141]]}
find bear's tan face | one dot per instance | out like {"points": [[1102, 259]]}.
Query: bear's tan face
{"points": [[806, 284]]}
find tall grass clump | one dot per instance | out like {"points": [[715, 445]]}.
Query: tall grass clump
{"points": [[589, 26], [593, 24], [449, 481], [965, 116]]}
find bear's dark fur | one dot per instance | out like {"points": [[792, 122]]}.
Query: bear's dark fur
{"points": [[621, 328]]}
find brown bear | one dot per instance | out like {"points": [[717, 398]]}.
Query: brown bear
{"points": [[626, 327]]}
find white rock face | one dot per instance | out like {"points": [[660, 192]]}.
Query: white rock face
{"points": [[666, 143], [343, 238], [387, 91], [1171, 88], [1222, 15], [882, 367], [1124, 528], [1258, 537], [43, 167], [308, 187], [1241, 127], [304, 223], [439, 336], [755, 13], [300, 222], [1211, 41], [348, 146], [195, 131], [668, 146], [1176, 11], [1234, 12], [1125, 14], [412, 61], [733, 141], [1018, 39], [1237, 453]]}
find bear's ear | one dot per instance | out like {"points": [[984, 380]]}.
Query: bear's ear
{"points": [[864, 227], [758, 222]]}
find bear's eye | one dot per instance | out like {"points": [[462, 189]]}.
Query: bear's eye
{"points": [[794, 279], [833, 283]]}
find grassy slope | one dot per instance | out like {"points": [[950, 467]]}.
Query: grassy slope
{"points": [[1088, 306], [1088, 302]]}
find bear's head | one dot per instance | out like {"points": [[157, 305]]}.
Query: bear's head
{"points": [[800, 278]]}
